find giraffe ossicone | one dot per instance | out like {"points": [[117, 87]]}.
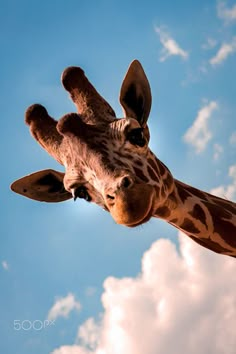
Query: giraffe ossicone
{"points": [[107, 161]]}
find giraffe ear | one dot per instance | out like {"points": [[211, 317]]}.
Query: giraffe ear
{"points": [[135, 94], [44, 186]]}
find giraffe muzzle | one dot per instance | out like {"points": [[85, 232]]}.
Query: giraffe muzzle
{"points": [[132, 205]]}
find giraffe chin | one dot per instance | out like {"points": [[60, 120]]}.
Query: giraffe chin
{"points": [[135, 206]]}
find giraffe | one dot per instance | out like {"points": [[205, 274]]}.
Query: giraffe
{"points": [[107, 161]]}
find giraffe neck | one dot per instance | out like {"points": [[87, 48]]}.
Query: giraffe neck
{"points": [[207, 219]]}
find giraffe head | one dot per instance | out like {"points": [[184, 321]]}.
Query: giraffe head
{"points": [[107, 160]]}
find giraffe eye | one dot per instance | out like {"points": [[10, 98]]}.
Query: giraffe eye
{"points": [[136, 137], [82, 193]]}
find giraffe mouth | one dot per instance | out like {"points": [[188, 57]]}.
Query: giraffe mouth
{"points": [[143, 221], [135, 207]]}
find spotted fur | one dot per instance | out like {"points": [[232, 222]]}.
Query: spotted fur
{"points": [[122, 175]]}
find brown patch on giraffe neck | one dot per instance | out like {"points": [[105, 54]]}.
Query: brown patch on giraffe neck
{"points": [[189, 226], [163, 212], [184, 194], [227, 229], [195, 192], [221, 223], [217, 210], [199, 214], [231, 207]]}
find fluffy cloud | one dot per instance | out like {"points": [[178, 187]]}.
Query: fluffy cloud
{"points": [[63, 306], [228, 191], [198, 135], [170, 46], [71, 349], [225, 50], [225, 13], [183, 301], [89, 334]]}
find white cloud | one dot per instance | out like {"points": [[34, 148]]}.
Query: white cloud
{"points": [[232, 139], [89, 334], [228, 191], [218, 150], [198, 135], [170, 46], [184, 300], [225, 50], [63, 306], [71, 349], [5, 265], [226, 13]]}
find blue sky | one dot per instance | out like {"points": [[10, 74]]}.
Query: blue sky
{"points": [[55, 258]]}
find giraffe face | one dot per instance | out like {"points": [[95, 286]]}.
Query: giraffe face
{"points": [[112, 166], [107, 160]]}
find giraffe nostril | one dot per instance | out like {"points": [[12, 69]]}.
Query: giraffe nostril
{"points": [[110, 197], [126, 182]]}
